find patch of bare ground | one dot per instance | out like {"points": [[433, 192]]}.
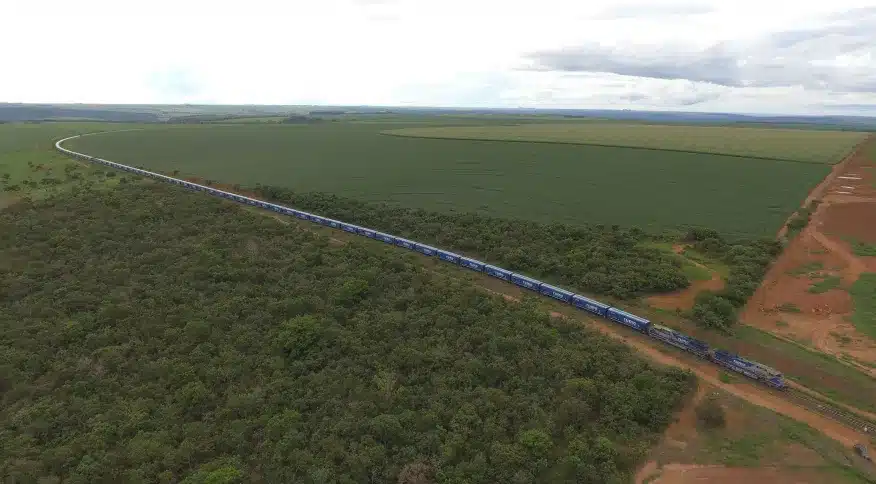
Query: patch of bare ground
{"points": [[754, 446], [784, 303], [685, 298]]}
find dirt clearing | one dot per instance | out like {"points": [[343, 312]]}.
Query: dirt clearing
{"points": [[754, 445], [804, 295]]}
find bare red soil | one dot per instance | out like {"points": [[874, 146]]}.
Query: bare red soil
{"points": [[685, 298], [847, 209]]}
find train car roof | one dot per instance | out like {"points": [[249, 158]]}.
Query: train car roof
{"points": [[560, 289], [591, 301], [621, 311]]}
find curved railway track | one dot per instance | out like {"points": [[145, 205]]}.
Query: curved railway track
{"points": [[800, 398]]}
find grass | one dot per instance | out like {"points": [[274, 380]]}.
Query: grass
{"points": [[862, 249], [863, 293], [826, 284], [814, 369], [757, 437], [691, 270], [789, 308], [785, 144], [653, 190], [716, 265], [29, 166], [807, 268], [696, 273]]}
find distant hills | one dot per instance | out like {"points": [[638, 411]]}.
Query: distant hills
{"points": [[58, 112], [162, 113]]}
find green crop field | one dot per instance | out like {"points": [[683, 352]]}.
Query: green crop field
{"points": [[536, 181], [809, 146]]}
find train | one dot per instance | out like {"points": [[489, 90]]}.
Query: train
{"points": [[748, 368]]}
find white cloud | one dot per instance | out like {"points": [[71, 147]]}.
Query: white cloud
{"points": [[706, 55]]}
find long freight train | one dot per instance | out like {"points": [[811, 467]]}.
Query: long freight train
{"points": [[750, 369]]}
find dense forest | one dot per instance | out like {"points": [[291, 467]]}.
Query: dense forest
{"points": [[596, 259], [148, 334]]}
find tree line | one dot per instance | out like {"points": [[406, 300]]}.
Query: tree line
{"points": [[596, 259]]}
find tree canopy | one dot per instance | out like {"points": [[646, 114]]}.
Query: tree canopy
{"points": [[148, 334]]}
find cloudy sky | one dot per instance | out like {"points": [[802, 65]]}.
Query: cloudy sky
{"points": [[759, 56]]}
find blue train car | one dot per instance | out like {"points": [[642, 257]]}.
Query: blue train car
{"points": [[449, 256], [751, 369], [556, 292], [526, 282], [497, 272], [302, 215], [317, 219], [425, 249], [407, 244], [385, 237], [627, 319], [366, 232], [678, 339], [350, 228], [333, 223], [590, 305], [472, 264]]}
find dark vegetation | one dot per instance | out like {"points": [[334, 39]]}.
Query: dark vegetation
{"points": [[598, 259], [41, 112], [200, 118], [301, 119], [748, 262], [710, 413], [148, 334], [800, 219]]}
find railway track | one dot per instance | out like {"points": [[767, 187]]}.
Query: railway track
{"points": [[845, 417], [802, 399]]}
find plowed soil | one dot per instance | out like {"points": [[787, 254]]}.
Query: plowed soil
{"points": [[783, 303]]}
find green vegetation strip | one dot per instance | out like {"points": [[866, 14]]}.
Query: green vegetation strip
{"points": [[863, 249], [156, 335], [863, 292], [778, 144], [545, 183], [814, 369], [826, 284]]}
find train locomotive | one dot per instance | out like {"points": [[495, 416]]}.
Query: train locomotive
{"points": [[731, 361]]}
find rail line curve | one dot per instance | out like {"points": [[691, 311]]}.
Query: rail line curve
{"points": [[752, 370]]}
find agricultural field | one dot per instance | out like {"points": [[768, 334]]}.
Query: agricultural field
{"points": [[542, 182], [810, 146]]}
